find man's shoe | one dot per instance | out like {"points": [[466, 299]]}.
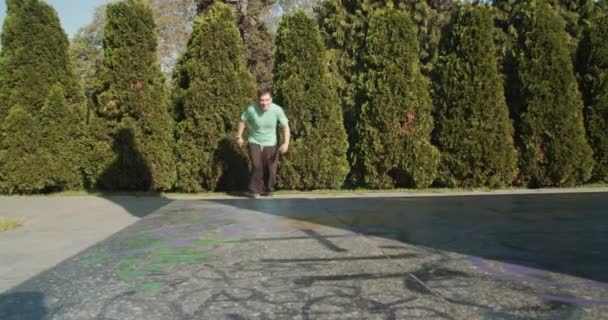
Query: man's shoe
{"points": [[268, 194]]}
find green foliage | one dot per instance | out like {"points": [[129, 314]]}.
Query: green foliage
{"points": [[377, 59], [393, 147], [258, 40], [132, 98], [34, 57], [253, 23], [577, 15], [86, 51], [97, 152], [6, 225], [22, 166], [344, 26], [474, 132], [173, 20], [594, 67], [212, 86], [41, 138], [548, 105], [317, 157], [61, 135], [130, 169]]}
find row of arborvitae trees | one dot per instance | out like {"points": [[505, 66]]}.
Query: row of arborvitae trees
{"points": [[140, 136], [528, 130], [366, 110]]}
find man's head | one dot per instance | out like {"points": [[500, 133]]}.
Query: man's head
{"points": [[264, 98]]}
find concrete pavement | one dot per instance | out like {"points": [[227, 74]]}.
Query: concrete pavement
{"points": [[533, 256], [57, 228]]}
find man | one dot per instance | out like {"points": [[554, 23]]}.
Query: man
{"points": [[261, 119]]}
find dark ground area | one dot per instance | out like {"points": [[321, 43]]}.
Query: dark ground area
{"points": [[475, 257]]}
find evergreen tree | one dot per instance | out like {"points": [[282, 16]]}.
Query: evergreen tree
{"points": [[61, 137], [395, 122], [474, 132], [317, 157], [258, 39], [594, 66], [212, 88], [86, 51], [98, 155], [22, 165], [344, 26], [577, 15], [252, 21], [132, 98], [548, 106], [34, 57]]}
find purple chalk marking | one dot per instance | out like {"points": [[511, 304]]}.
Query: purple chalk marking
{"points": [[245, 227], [128, 253], [173, 231], [181, 243], [512, 272], [514, 268], [487, 268], [177, 243], [588, 284], [164, 232], [229, 233], [167, 233], [252, 224], [573, 300]]}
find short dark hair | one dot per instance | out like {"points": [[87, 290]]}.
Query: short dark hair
{"points": [[264, 91]]}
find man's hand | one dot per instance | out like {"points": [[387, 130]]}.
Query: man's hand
{"points": [[286, 135], [240, 141], [239, 133], [284, 148]]}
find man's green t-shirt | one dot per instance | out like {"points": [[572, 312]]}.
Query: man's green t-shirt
{"points": [[263, 124]]}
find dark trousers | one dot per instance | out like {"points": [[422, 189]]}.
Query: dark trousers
{"points": [[263, 168]]}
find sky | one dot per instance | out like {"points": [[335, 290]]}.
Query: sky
{"points": [[72, 13]]}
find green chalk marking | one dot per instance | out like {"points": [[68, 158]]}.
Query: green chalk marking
{"points": [[208, 242], [180, 220], [157, 261], [152, 285], [228, 222], [161, 257], [94, 259], [139, 243]]}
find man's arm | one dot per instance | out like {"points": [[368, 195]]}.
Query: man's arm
{"points": [[284, 123], [286, 136], [241, 129], [239, 133]]}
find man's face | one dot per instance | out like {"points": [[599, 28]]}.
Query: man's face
{"points": [[265, 101]]}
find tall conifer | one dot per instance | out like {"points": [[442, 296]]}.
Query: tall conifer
{"points": [[395, 122], [34, 57], [548, 109], [474, 132], [132, 101], [212, 87], [594, 66], [317, 157]]}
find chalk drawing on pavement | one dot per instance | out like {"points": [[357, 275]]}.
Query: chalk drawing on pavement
{"points": [[152, 252], [559, 289]]}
